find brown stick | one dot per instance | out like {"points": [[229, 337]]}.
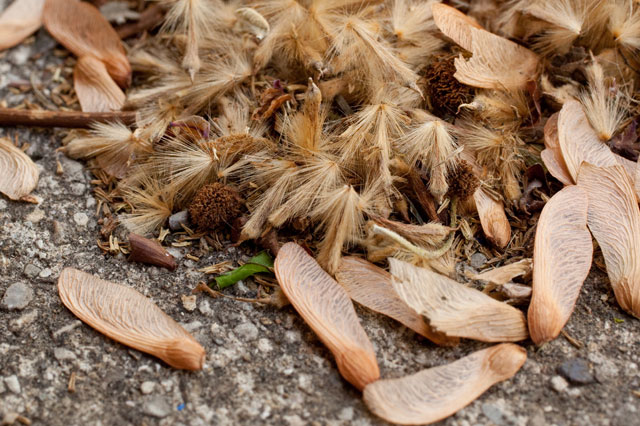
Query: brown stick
{"points": [[149, 18], [71, 119]]}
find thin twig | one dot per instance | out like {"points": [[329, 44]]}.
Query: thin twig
{"points": [[68, 119], [151, 17]]}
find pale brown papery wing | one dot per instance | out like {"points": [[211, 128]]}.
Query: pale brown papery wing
{"points": [[371, 287], [504, 274], [81, 28], [579, 142], [18, 21], [96, 90], [436, 393], [130, 318], [326, 307], [561, 261], [454, 24], [455, 309], [18, 173], [614, 220], [492, 218]]}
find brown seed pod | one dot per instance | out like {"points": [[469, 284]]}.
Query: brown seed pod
{"points": [[462, 181], [445, 92], [215, 205]]}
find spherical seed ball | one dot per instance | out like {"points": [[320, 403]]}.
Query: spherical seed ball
{"points": [[215, 205], [462, 181], [444, 91]]}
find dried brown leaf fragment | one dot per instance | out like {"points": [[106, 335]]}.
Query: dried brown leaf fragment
{"points": [[371, 287], [562, 258], [19, 21], [19, 174], [326, 307], [436, 393], [80, 27], [455, 309], [130, 318], [614, 220]]}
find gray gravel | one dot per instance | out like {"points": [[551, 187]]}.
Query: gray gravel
{"points": [[264, 366]]}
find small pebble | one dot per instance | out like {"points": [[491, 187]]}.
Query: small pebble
{"points": [[45, 273], [559, 384], [17, 296], [576, 370], [246, 331], [13, 384], [156, 406], [176, 219], [478, 260], [35, 216], [81, 219], [3, 204], [147, 387], [189, 302], [62, 354]]}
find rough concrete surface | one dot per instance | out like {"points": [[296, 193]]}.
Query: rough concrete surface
{"points": [[264, 365]]}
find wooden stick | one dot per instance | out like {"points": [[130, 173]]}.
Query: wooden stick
{"points": [[70, 119], [149, 18]]}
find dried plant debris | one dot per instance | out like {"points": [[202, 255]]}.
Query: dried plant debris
{"points": [[454, 309], [614, 220], [128, 317], [18, 21], [19, 173], [578, 140], [215, 205], [504, 274], [436, 393], [371, 287], [405, 130], [150, 252], [496, 63], [96, 90], [493, 218], [561, 262], [326, 307], [81, 28]]}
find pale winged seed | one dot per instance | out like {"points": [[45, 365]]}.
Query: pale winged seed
{"points": [[371, 287], [493, 219], [18, 21], [81, 28], [561, 262], [455, 309], [579, 142], [96, 90], [504, 274], [614, 220], [19, 174], [128, 317], [454, 24], [436, 393], [326, 307], [552, 155], [497, 63]]}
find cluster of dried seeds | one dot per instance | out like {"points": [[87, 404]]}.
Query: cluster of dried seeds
{"points": [[350, 124]]}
